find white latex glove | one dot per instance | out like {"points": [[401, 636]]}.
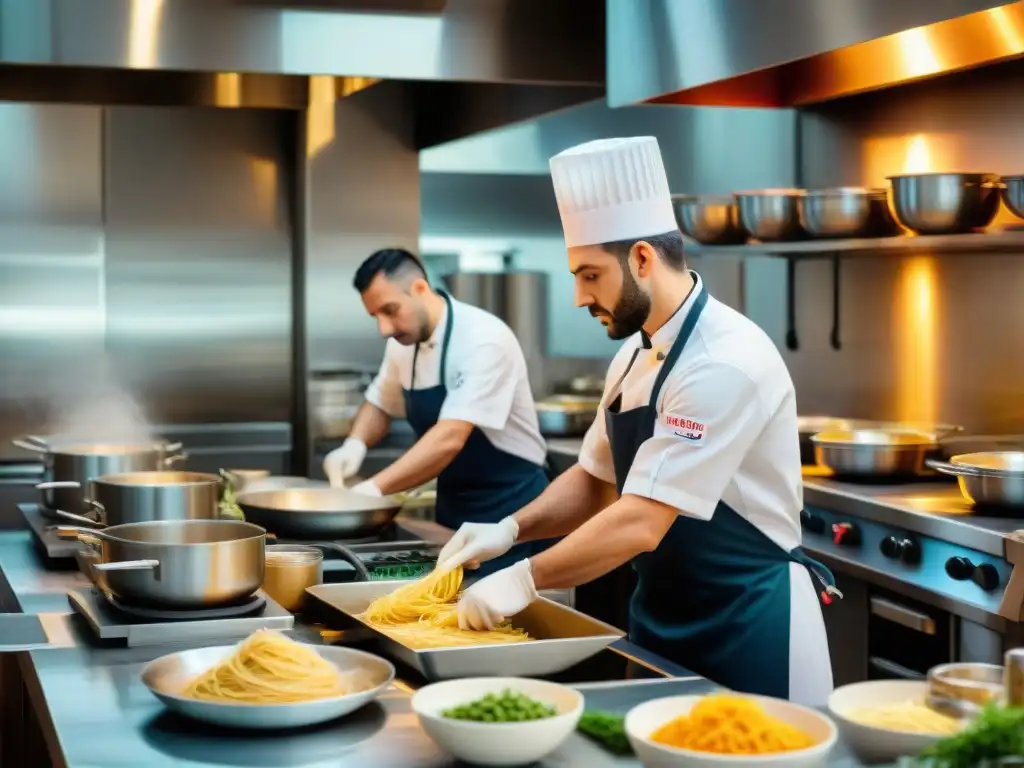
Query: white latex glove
{"points": [[367, 488], [475, 543], [341, 463], [496, 597]]}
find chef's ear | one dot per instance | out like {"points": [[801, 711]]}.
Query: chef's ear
{"points": [[419, 288], [641, 259]]}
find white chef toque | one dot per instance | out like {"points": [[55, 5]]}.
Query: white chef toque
{"points": [[612, 189]]}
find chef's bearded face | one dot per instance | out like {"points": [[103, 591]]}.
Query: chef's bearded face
{"points": [[613, 280], [394, 296]]}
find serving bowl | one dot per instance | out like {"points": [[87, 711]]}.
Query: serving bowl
{"points": [[644, 719], [874, 743], [497, 744], [709, 220], [167, 677], [945, 203], [771, 214]]}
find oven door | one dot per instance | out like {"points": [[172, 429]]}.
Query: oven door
{"points": [[906, 638]]}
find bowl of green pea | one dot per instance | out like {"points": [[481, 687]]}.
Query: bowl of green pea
{"points": [[499, 721]]}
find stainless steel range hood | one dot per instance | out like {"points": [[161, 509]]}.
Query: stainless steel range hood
{"points": [[469, 64], [779, 53]]}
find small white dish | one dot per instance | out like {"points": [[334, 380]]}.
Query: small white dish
{"points": [[870, 742], [497, 744], [644, 719]]}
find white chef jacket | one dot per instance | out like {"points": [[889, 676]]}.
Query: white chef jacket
{"points": [[726, 430], [485, 375]]}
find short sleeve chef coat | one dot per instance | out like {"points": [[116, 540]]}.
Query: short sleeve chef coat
{"points": [[726, 423], [485, 375]]}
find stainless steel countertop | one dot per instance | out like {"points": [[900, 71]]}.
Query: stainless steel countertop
{"points": [[929, 508], [97, 714]]}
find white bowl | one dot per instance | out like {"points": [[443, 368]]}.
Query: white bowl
{"points": [[497, 743], [870, 742], [643, 719]]}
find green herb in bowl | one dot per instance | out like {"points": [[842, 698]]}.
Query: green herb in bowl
{"points": [[505, 707], [996, 734]]}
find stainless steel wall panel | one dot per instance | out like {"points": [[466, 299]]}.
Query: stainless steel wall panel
{"points": [[51, 257], [198, 266]]}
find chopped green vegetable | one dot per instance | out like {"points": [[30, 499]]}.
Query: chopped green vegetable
{"points": [[606, 728], [997, 733], [505, 707]]}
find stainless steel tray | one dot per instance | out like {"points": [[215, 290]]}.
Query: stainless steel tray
{"points": [[564, 637]]}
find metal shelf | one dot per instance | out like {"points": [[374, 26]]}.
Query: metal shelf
{"points": [[1007, 242]]}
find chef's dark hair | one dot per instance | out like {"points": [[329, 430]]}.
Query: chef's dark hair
{"points": [[395, 264], [668, 245]]}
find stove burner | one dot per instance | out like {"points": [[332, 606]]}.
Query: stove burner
{"points": [[242, 608]]}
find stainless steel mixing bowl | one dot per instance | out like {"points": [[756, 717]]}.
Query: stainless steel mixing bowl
{"points": [[1013, 194], [709, 220], [771, 214], [945, 203], [847, 212]]}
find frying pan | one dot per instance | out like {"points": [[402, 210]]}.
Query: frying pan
{"points": [[318, 513]]}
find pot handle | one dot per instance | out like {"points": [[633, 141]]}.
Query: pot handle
{"points": [[128, 565], [173, 447], [953, 469], [75, 532], [77, 518], [58, 484], [170, 461], [25, 445]]}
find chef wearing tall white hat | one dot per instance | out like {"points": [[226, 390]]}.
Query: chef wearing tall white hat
{"points": [[692, 468]]}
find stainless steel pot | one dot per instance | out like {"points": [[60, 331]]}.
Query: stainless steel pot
{"points": [[567, 415], [873, 452], [846, 212], [335, 398], [319, 513], [771, 214], [945, 203], [709, 220], [183, 564], [138, 497], [987, 479], [72, 466]]}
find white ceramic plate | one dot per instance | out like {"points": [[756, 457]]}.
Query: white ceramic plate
{"points": [[497, 744], [644, 719], [167, 676]]}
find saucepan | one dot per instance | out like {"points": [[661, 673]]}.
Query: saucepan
{"points": [[989, 478], [138, 497], [567, 415], [182, 564], [71, 466], [897, 451], [319, 513]]}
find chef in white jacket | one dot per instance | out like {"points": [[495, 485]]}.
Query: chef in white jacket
{"points": [[692, 468], [458, 375]]}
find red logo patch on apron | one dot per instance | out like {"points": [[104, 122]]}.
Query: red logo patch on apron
{"points": [[688, 429]]}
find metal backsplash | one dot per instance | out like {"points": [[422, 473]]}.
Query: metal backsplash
{"points": [[927, 337]]}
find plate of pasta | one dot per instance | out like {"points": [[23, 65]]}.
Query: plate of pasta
{"points": [[267, 681], [417, 621], [883, 720], [728, 729]]}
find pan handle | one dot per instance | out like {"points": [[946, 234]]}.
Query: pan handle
{"points": [[58, 484], [25, 445], [170, 461], [954, 469], [362, 573], [77, 518], [173, 447], [128, 565], [76, 532]]}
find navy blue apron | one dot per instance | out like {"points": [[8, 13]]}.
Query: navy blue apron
{"points": [[714, 596], [482, 484]]}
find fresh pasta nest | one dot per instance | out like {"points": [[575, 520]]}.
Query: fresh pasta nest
{"points": [[424, 614]]}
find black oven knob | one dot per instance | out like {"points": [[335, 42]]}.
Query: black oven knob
{"points": [[959, 568], [986, 576], [812, 522], [903, 548]]}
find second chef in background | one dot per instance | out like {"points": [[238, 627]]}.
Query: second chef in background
{"points": [[458, 375]]}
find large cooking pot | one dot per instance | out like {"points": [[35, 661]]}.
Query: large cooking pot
{"points": [[319, 513], [138, 497], [71, 467], [989, 478], [181, 564]]}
